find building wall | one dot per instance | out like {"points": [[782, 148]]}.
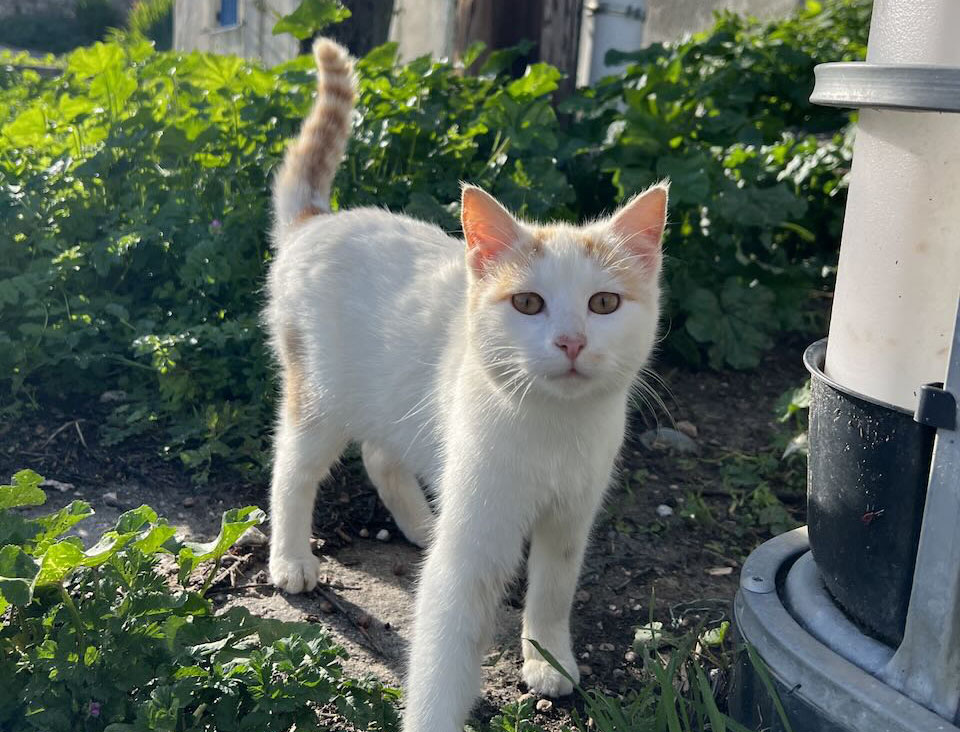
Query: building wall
{"points": [[424, 26], [427, 26], [670, 20], [195, 28]]}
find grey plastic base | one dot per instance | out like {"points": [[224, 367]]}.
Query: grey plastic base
{"points": [[821, 690]]}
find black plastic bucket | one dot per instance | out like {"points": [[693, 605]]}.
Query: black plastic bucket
{"points": [[866, 485]]}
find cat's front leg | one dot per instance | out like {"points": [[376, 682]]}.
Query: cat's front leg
{"points": [[557, 546], [475, 553]]}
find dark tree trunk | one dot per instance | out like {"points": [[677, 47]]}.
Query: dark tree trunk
{"points": [[499, 24], [553, 25], [560, 39], [366, 28]]}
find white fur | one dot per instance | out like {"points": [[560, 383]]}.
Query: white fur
{"points": [[473, 401]]}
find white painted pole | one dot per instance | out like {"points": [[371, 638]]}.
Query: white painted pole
{"points": [[899, 272], [604, 26]]}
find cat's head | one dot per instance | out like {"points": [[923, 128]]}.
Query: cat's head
{"points": [[565, 310]]}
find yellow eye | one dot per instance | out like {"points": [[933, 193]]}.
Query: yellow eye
{"points": [[528, 303], [604, 303]]}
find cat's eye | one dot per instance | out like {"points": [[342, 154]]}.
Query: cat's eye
{"points": [[528, 303], [604, 303]]}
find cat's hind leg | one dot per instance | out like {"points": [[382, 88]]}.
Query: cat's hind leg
{"points": [[306, 446], [400, 492], [304, 454]]}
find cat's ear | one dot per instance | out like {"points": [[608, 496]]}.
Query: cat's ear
{"points": [[488, 227], [640, 222]]}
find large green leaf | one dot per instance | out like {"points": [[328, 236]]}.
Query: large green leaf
{"points": [[17, 573], [735, 325], [24, 490], [49, 528], [310, 17], [538, 80], [232, 525]]}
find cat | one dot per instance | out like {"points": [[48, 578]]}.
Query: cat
{"points": [[496, 370]]}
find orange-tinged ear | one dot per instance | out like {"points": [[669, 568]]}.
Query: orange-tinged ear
{"points": [[640, 222], [488, 227]]}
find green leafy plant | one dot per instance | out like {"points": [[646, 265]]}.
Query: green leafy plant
{"points": [[134, 202], [758, 172], [677, 695], [102, 639]]}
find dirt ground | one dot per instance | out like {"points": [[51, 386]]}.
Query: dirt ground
{"points": [[636, 555]]}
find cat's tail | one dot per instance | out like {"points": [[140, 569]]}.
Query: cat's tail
{"points": [[302, 186]]}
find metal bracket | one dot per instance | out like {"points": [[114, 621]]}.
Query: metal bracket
{"points": [[926, 666], [861, 84], [936, 407]]}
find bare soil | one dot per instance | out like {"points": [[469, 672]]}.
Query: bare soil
{"points": [[640, 564]]}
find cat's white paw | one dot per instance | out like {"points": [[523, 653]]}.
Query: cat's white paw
{"points": [[295, 574], [542, 678]]}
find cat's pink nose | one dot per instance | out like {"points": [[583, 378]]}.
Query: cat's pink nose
{"points": [[571, 345]]}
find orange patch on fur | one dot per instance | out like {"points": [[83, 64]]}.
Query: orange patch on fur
{"points": [[294, 375], [308, 213], [633, 276]]}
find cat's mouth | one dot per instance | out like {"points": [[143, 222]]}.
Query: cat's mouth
{"points": [[571, 373]]}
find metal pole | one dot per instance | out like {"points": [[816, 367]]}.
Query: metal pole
{"points": [[926, 666]]}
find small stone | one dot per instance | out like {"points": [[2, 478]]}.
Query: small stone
{"points": [[663, 510], [383, 535], [110, 498], [688, 428], [606, 647], [589, 647], [326, 607], [544, 705], [524, 697], [612, 608], [252, 537], [57, 485], [585, 670], [114, 396], [668, 439], [630, 657], [585, 655], [189, 502], [582, 596], [364, 533]]}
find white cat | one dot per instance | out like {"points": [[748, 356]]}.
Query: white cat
{"points": [[497, 372]]}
